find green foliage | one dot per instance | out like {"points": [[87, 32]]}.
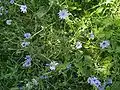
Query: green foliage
{"points": [[54, 39]]}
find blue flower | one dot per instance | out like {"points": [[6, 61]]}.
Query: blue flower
{"points": [[94, 81], [63, 14], [27, 35], [27, 64], [104, 44], [28, 57], [23, 8], [28, 61], [24, 44], [12, 1]]}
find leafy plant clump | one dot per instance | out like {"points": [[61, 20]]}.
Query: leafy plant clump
{"points": [[59, 44]]}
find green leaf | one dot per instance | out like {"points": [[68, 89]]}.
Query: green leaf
{"points": [[99, 10]]}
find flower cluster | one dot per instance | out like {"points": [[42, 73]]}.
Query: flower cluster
{"points": [[24, 43], [63, 14], [23, 8], [94, 81]]}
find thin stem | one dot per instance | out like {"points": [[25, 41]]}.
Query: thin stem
{"points": [[17, 4]]}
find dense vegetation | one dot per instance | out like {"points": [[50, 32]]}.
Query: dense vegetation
{"points": [[59, 44]]}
